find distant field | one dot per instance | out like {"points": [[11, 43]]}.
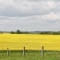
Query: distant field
{"points": [[30, 41]]}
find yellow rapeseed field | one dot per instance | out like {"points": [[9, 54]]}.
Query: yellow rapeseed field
{"points": [[30, 41]]}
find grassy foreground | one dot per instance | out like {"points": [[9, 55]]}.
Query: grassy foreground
{"points": [[30, 55]]}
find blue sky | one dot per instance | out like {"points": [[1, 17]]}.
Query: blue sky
{"points": [[30, 15]]}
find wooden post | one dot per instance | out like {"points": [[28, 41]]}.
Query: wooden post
{"points": [[7, 52], [24, 52], [42, 51]]}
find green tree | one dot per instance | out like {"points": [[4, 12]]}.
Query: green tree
{"points": [[18, 32], [12, 32]]}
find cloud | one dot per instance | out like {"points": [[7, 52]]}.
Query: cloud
{"points": [[22, 8], [36, 22], [30, 15]]}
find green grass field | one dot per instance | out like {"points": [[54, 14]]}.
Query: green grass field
{"points": [[30, 55]]}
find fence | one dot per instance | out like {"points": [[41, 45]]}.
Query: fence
{"points": [[42, 52], [24, 51]]}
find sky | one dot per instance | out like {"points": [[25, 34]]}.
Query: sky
{"points": [[30, 15]]}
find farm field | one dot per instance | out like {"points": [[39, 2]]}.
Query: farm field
{"points": [[30, 41]]}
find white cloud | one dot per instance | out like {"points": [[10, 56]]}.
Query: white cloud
{"points": [[52, 16], [26, 8], [29, 14]]}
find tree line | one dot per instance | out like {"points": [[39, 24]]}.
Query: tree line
{"points": [[14, 32], [31, 32]]}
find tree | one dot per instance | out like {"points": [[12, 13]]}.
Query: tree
{"points": [[1, 32], [18, 32], [12, 32]]}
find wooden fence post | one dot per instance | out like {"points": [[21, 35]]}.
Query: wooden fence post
{"points": [[42, 51], [7, 51], [24, 52]]}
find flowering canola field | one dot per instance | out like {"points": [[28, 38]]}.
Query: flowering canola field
{"points": [[30, 41]]}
